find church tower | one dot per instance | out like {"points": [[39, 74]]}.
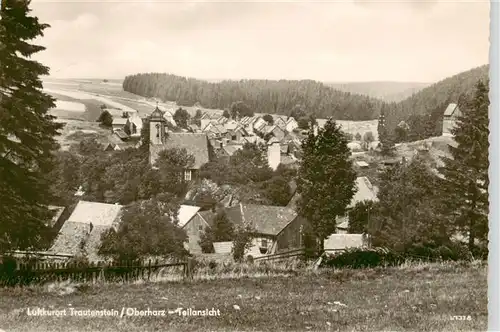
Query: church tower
{"points": [[156, 127]]}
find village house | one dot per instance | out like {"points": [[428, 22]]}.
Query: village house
{"points": [[119, 123], [198, 222], [196, 144], [273, 153], [291, 124], [450, 117], [275, 228], [280, 122], [273, 130], [236, 134], [81, 232]]}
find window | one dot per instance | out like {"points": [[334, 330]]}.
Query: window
{"points": [[187, 175], [200, 228], [263, 243], [234, 138]]}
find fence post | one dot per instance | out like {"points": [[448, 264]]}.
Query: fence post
{"points": [[149, 269], [188, 268]]}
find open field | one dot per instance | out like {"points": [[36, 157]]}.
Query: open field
{"points": [[410, 298]]}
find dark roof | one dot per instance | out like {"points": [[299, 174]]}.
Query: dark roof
{"points": [[121, 134], [208, 216], [195, 144], [265, 219], [157, 115]]}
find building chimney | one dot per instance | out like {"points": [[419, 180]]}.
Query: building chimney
{"points": [[273, 153]]}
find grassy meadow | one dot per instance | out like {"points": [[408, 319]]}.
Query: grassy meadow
{"points": [[414, 297]]}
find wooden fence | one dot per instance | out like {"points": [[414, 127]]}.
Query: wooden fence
{"points": [[282, 255], [20, 274]]}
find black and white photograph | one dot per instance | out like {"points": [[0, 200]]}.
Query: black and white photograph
{"points": [[244, 165]]}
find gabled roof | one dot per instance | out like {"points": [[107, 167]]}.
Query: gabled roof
{"points": [[195, 144], [451, 109], [186, 213], [273, 140], [221, 129], [99, 214], [208, 216], [194, 127], [121, 134], [120, 121], [361, 163], [231, 125], [366, 191], [265, 219], [205, 115], [230, 149], [157, 114], [253, 139]]}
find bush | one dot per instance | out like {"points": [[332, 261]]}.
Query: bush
{"points": [[364, 258]]}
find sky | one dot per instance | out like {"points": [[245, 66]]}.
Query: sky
{"points": [[334, 41]]}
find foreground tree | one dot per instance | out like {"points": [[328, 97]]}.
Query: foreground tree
{"points": [[64, 177], [106, 119], [148, 228], [465, 174], [222, 230], [27, 131], [181, 117], [249, 165], [240, 109], [368, 138], [268, 118], [277, 190], [386, 140], [326, 179], [359, 217], [298, 112], [406, 213]]}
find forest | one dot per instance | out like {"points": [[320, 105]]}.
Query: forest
{"points": [[422, 111], [262, 96]]}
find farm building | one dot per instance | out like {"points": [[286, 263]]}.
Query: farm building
{"points": [[276, 228], [119, 123], [196, 144], [195, 226], [451, 114], [81, 233]]}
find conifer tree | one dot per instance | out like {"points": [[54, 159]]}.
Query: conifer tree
{"points": [[27, 131], [326, 182], [465, 174], [386, 141]]}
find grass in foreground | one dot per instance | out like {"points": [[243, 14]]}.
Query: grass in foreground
{"points": [[409, 298]]}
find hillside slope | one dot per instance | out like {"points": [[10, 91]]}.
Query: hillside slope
{"points": [[431, 102], [263, 96], [386, 91]]}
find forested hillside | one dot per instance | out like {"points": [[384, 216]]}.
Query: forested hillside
{"points": [[424, 110], [386, 91], [262, 96]]}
